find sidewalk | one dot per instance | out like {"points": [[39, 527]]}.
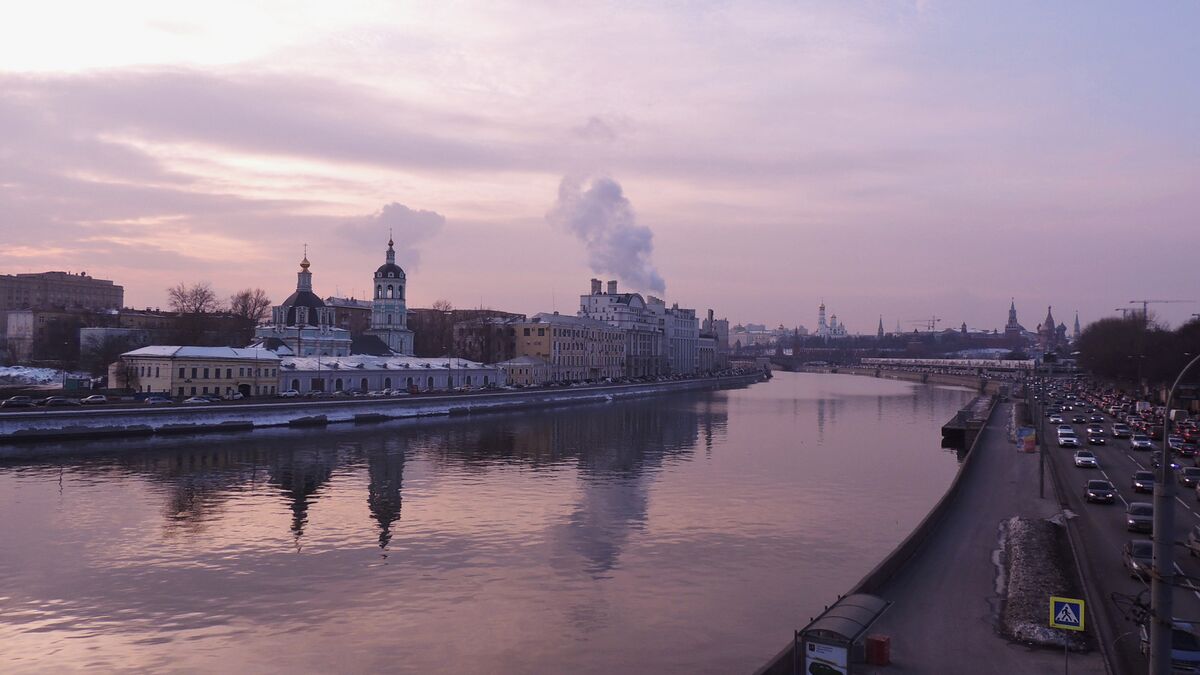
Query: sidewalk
{"points": [[945, 612]]}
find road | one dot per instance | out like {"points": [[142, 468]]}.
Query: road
{"points": [[1102, 533]]}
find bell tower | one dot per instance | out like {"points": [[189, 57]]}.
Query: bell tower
{"points": [[389, 313]]}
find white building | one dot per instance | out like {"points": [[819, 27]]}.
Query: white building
{"points": [[389, 314], [681, 335], [645, 349], [363, 373], [303, 324]]}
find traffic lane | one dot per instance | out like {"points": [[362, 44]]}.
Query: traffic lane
{"points": [[1109, 530]]}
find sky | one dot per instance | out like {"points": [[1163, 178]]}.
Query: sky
{"points": [[894, 159]]}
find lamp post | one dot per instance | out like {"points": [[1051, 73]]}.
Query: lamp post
{"points": [[1161, 612]]}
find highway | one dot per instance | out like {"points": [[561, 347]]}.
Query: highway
{"points": [[1102, 533]]}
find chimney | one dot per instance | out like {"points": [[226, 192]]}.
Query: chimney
{"points": [[612, 287], [710, 316], [595, 287]]}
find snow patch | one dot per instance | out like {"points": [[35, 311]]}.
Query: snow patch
{"points": [[1034, 569], [28, 375]]}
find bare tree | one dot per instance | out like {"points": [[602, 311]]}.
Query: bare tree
{"points": [[250, 304], [199, 298], [442, 306]]}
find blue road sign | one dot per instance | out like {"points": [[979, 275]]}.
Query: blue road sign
{"points": [[1066, 613]]}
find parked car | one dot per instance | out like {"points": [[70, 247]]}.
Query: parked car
{"points": [[1143, 481], [1099, 491], [196, 399], [1138, 556], [1189, 476], [158, 400], [17, 402], [62, 402], [289, 393], [1139, 517], [1084, 459], [94, 399]]}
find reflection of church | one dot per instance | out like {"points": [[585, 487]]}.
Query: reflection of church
{"points": [[304, 326]]}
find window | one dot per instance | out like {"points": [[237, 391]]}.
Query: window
{"points": [[337, 384], [205, 390], [387, 383], [430, 384], [156, 371], [526, 335], [241, 372], [400, 291], [181, 374], [379, 291], [364, 385], [389, 290], [193, 375], [181, 391], [206, 374], [389, 319], [541, 332], [229, 373], [296, 385], [193, 391], [409, 383]]}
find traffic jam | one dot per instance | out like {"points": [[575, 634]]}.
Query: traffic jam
{"points": [[1108, 447]]}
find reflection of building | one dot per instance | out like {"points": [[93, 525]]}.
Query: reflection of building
{"points": [[303, 324], [385, 469], [192, 371], [300, 475]]}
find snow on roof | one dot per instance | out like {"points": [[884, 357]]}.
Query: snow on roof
{"points": [[176, 351], [368, 362], [523, 361]]}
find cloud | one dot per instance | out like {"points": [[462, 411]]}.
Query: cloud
{"points": [[595, 129], [600, 216], [409, 228]]}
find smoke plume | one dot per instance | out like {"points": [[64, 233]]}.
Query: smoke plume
{"points": [[602, 218]]}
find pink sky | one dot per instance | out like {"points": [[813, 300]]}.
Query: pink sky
{"points": [[895, 159]]}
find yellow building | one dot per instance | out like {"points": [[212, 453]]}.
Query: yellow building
{"points": [[197, 371], [525, 370], [575, 348]]}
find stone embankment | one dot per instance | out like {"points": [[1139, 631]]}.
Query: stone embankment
{"points": [[20, 431]]}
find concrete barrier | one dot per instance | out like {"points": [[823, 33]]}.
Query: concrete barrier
{"points": [[782, 663], [20, 431]]}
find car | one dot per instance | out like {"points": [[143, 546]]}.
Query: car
{"points": [[158, 400], [1056, 418], [1143, 481], [18, 402], [1095, 429], [1174, 442], [1096, 418], [94, 398], [1138, 557], [289, 393], [1193, 541], [1140, 442], [1121, 430], [1066, 428], [1187, 450], [1185, 646], [1139, 517], [196, 399], [1068, 440], [1078, 419], [1189, 476], [1096, 439], [62, 402], [1099, 491], [1084, 459], [233, 396]]}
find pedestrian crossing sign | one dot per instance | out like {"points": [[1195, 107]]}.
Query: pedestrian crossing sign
{"points": [[1066, 613]]}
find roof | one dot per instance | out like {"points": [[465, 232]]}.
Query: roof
{"points": [[395, 269], [394, 363], [567, 319], [370, 345], [176, 351], [848, 618]]}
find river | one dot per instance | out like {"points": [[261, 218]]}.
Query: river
{"points": [[683, 533]]}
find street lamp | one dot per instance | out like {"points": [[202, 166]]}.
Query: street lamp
{"points": [[1161, 612]]}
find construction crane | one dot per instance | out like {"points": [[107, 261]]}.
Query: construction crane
{"points": [[1124, 311], [929, 323], [1146, 303]]}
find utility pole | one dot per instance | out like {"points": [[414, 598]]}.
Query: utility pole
{"points": [[1163, 579]]}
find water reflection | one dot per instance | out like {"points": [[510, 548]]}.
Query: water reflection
{"points": [[588, 539]]}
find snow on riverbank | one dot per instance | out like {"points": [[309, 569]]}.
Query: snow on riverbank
{"points": [[28, 375], [1037, 565]]}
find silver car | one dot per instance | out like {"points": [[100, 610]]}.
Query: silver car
{"points": [[1139, 517]]}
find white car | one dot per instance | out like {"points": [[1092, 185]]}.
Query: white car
{"points": [[1068, 440], [290, 393], [95, 398], [1085, 459], [1141, 442], [196, 399], [1067, 428]]}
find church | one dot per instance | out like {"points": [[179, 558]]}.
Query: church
{"points": [[303, 326]]}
